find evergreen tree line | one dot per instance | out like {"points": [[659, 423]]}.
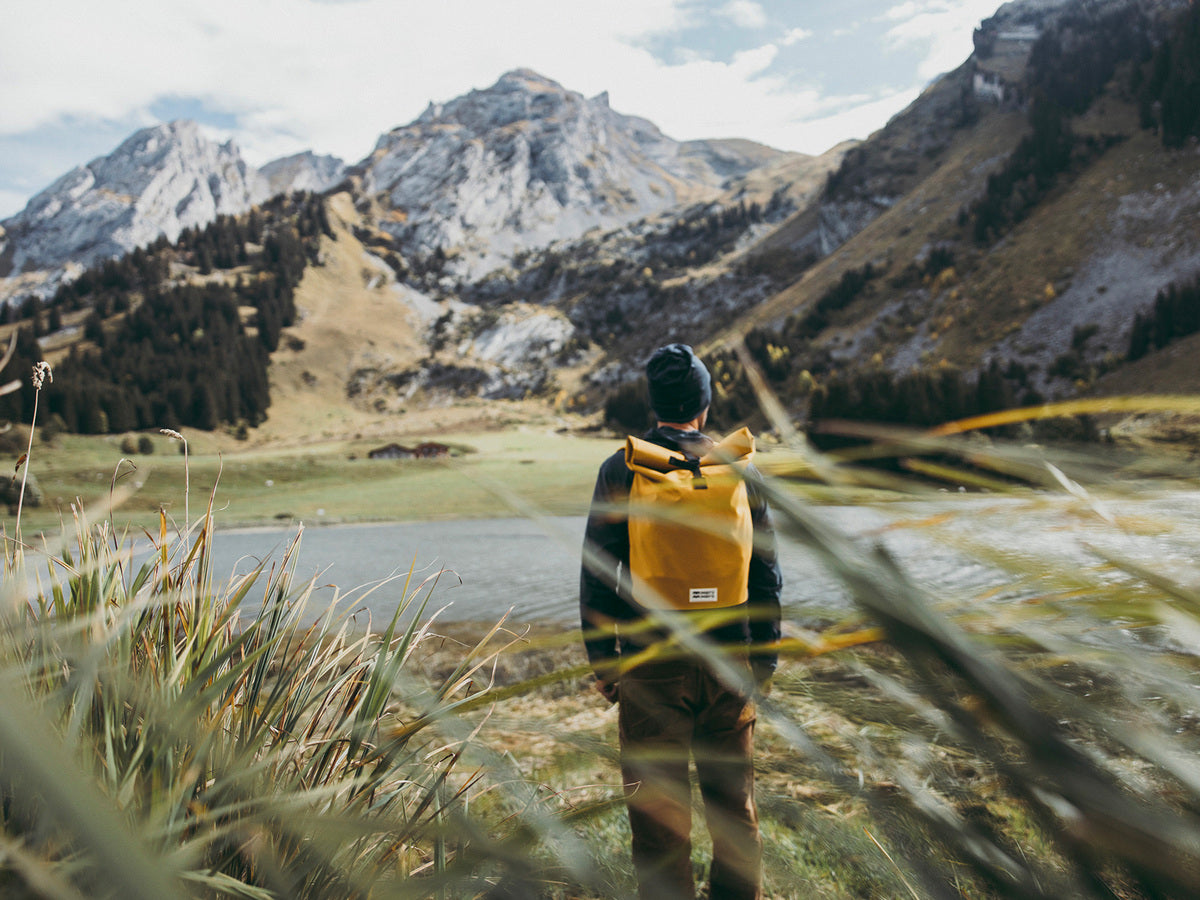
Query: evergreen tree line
{"points": [[106, 288], [1072, 63], [1168, 82], [703, 235], [183, 355], [921, 398], [1175, 314], [800, 328], [849, 173], [918, 399], [695, 238], [775, 351], [1031, 171], [18, 406], [734, 402]]}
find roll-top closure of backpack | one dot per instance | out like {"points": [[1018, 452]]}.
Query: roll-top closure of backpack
{"points": [[649, 458]]}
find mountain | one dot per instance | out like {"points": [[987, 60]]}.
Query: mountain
{"points": [[522, 179], [527, 162], [1004, 240], [533, 231], [302, 172], [1024, 231], [1007, 238], [474, 181], [158, 182]]}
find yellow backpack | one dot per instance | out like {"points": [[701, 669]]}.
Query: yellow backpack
{"points": [[690, 533]]}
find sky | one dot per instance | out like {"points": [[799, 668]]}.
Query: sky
{"points": [[282, 76]]}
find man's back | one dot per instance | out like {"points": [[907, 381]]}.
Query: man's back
{"points": [[672, 705]]}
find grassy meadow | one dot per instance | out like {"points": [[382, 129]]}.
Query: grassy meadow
{"points": [[161, 736], [328, 483]]}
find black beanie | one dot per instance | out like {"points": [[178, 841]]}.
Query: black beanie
{"points": [[680, 386]]}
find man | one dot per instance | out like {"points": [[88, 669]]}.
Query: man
{"points": [[675, 704]]}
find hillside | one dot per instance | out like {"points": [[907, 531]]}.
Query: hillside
{"points": [[1000, 242], [1100, 220], [355, 321]]}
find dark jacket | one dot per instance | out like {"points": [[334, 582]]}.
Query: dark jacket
{"points": [[605, 597]]}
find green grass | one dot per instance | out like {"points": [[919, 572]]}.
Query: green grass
{"points": [[320, 485]]}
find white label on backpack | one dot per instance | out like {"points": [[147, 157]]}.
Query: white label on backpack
{"points": [[702, 595]]}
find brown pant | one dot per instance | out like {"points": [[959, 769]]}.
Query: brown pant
{"points": [[669, 709]]}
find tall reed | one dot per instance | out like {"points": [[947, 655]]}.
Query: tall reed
{"points": [[164, 735]]}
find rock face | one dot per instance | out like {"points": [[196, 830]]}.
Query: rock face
{"points": [[527, 162], [159, 181]]}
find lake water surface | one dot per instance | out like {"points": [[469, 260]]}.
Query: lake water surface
{"points": [[957, 547]]}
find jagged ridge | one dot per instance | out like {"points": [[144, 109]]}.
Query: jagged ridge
{"points": [[527, 162], [158, 182]]}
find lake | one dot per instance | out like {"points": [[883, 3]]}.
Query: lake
{"points": [[958, 547]]}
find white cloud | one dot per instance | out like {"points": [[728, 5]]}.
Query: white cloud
{"points": [[909, 9], [744, 13], [795, 35], [749, 63], [333, 76], [298, 74], [301, 74], [860, 120], [942, 27]]}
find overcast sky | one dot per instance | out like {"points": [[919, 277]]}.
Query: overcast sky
{"points": [[281, 76]]}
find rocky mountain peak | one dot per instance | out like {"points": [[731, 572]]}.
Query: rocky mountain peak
{"points": [[159, 181], [521, 95], [527, 162], [157, 142]]}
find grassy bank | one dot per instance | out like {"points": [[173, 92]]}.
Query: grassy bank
{"points": [[329, 483]]}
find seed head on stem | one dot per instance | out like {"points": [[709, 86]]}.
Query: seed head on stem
{"points": [[41, 373], [176, 436]]}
